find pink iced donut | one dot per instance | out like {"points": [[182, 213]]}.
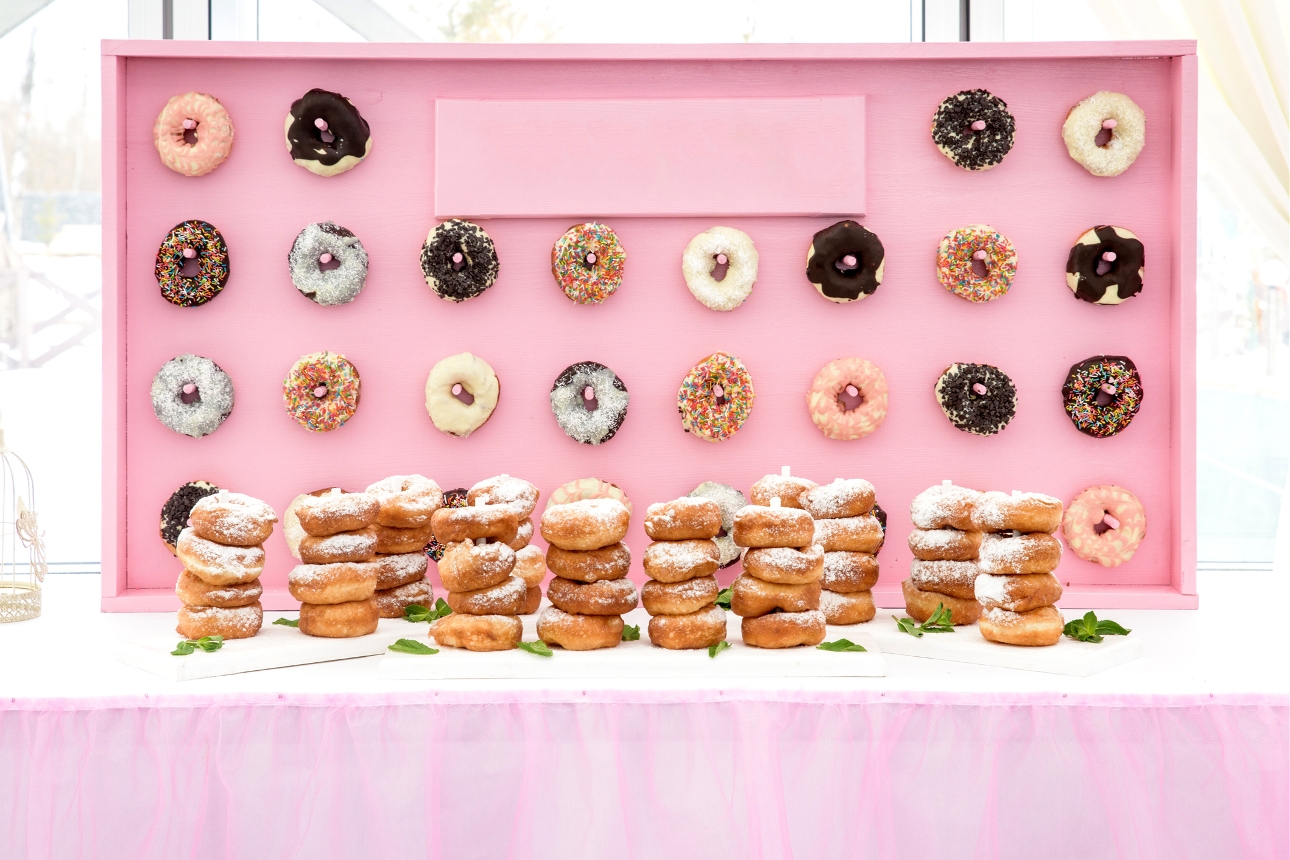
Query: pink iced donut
{"points": [[1105, 525], [858, 378], [207, 121], [587, 488]]}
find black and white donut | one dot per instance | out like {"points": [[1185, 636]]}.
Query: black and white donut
{"points": [[175, 512], [459, 260], [845, 262], [974, 129], [192, 395], [315, 247], [589, 402], [977, 398], [1105, 267], [326, 134]]}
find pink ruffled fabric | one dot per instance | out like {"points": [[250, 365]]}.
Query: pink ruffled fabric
{"points": [[604, 774]]}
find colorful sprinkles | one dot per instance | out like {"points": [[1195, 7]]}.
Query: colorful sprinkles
{"points": [[451, 499], [588, 263], [211, 254], [1116, 380], [703, 412], [321, 391], [954, 263]]}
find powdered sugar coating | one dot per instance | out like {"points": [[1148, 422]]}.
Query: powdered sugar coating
{"points": [[213, 386], [787, 488], [240, 622], [406, 501], [943, 505], [844, 497], [585, 524], [240, 518], [506, 598], [204, 557], [1024, 553], [393, 571], [333, 286], [507, 490], [997, 511], [955, 578]]}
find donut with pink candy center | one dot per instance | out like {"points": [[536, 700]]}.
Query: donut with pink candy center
{"points": [[857, 378], [1105, 525], [201, 117]]}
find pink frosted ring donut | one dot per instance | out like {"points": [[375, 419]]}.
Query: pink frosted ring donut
{"points": [[587, 488], [1105, 525], [205, 119], [858, 378]]}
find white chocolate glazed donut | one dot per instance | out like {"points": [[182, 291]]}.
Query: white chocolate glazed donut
{"points": [[1114, 112], [476, 378]]}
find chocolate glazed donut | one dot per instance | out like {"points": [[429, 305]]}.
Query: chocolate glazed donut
{"points": [[845, 262], [1125, 258], [351, 136]]}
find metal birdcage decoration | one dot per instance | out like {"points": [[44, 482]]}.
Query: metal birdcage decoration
{"points": [[22, 550]]}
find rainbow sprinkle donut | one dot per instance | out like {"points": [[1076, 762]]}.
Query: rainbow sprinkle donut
{"points": [[206, 120], [976, 242], [588, 263], [192, 239], [1102, 394], [716, 397], [321, 391]]}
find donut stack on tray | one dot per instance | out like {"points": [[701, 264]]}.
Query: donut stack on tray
{"points": [[407, 503], [945, 542], [522, 497], [337, 578], [682, 592], [1016, 586], [485, 595], [849, 530], [590, 591], [223, 554], [778, 593]]}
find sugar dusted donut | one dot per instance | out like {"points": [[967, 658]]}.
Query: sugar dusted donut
{"points": [[332, 583], [339, 620], [192, 240], [787, 488], [785, 629], [455, 498], [393, 571], [506, 490], [845, 497], [981, 243], [593, 565], [530, 566], [702, 628], [974, 129], [585, 524], [859, 378], [406, 501], [607, 597], [177, 509], [192, 395], [1019, 553], [786, 565], [466, 566], [686, 518], [593, 419], [479, 521], [461, 374], [1017, 593], [729, 500], [346, 546], [335, 511], [850, 534], [1105, 267], [955, 578], [233, 519], [326, 134], [579, 632], [845, 262], [204, 119], [1021, 512], [847, 608], [392, 541], [459, 260], [478, 632], [194, 592], [1036, 628], [849, 572], [320, 244], [1102, 394], [944, 506], [523, 535], [1105, 111], [588, 488], [944, 544], [216, 564], [1105, 525], [390, 602], [505, 598], [679, 598], [587, 263], [977, 398], [716, 397], [751, 597], [240, 622], [920, 605], [321, 391], [680, 560], [757, 526], [532, 600], [720, 246]]}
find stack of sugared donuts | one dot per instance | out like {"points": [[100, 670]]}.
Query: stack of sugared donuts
{"points": [[337, 578], [407, 502], [850, 533], [778, 593], [223, 554], [945, 542], [682, 592], [1018, 556], [590, 590], [522, 497], [477, 571]]}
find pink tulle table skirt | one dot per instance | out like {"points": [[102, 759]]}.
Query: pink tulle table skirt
{"points": [[657, 774]]}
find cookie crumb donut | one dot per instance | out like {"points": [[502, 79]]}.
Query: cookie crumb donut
{"points": [[944, 506], [974, 129], [233, 519], [238, 622], [944, 545], [588, 488], [1102, 394], [506, 490], [847, 608], [702, 628], [785, 487], [850, 534], [848, 572], [472, 523], [330, 512], [686, 518], [192, 395], [192, 240], [720, 246], [1019, 553], [321, 391], [1105, 112], [454, 377], [751, 597], [977, 398], [595, 565], [585, 524], [845, 262], [757, 526], [346, 546], [339, 620], [216, 564], [478, 632], [579, 632], [316, 246], [467, 566], [979, 243], [505, 598], [729, 500], [399, 569], [953, 578], [716, 397], [326, 134], [390, 602], [921, 605], [1105, 525], [1017, 593], [845, 497], [785, 629], [405, 501], [589, 402], [342, 582], [204, 119], [1036, 628], [459, 260], [176, 510], [858, 377], [607, 597], [1105, 266], [587, 262], [679, 598], [1021, 512], [455, 498], [680, 560], [194, 592]]}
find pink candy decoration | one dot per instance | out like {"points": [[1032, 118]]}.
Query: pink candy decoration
{"points": [[190, 124], [320, 124], [190, 388], [1111, 521], [979, 125], [980, 389], [978, 255], [189, 253], [1109, 256], [1108, 388], [456, 390], [722, 259], [588, 393], [1109, 123], [325, 258], [850, 261], [457, 257], [320, 391], [718, 391], [591, 259], [853, 391]]}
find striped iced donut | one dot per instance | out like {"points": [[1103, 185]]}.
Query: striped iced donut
{"points": [[587, 488], [1105, 525], [859, 378], [202, 117]]}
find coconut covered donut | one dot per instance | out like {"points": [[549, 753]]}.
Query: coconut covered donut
{"points": [[455, 376], [339, 620], [405, 501], [579, 632], [845, 262], [944, 506], [921, 605], [720, 246], [1036, 628], [981, 243], [785, 629], [459, 260], [850, 534], [849, 572], [1105, 112], [588, 262], [1102, 394], [332, 583], [586, 524], [467, 566], [240, 622], [347, 546], [478, 632], [390, 602], [588, 488], [479, 521], [702, 628], [192, 240], [594, 565], [321, 391], [589, 402], [217, 564], [326, 134], [686, 518], [505, 598], [506, 490], [1022, 512], [716, 397], [680, 560], [177, 509], [974, 129], [530, 566], [393, 571], [233, 519], [787, 488], [335, 511], [977, 398], [944, 544], [192, 395], [315, 247], [1019, 553], [729, 500], [1017, 593], [954, 578], [608, 597], [1105, 525], [679, 598], [757, 526], [849, 608], [200, 117], [194, 592], [845, 497], [858, 377], [1105, 267], [751, 597]]}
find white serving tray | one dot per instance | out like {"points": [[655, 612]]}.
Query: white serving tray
{"points": [[638, 659], [967, 645], [273, 647]]}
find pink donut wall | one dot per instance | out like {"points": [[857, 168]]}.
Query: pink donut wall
{"points": [[652, 331]]}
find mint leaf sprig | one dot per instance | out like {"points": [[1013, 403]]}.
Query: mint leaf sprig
{"points": [[938, 622], [416, 613], [412, 646], [631, 632], [287, 622], [714, 650], [724, 597], [539, 648], [840, 645], [1090, 629], [209, 644]]}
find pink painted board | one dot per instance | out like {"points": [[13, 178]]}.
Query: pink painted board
{"points": [[652, 331], [649, 157]]}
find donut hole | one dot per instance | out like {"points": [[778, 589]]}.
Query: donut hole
{"points": [[332, 263], [980, 269], [1104, 266], [721, 532], [1101, 528], [848, 265], [719, 396], [190, 136], [850, 398], [189, 397], [1104, 136], [326, 136], [719, 268], [589, 401], [191, 268], [1101, 398], [459, 391]]}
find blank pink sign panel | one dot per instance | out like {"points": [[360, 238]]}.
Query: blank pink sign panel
{"points": [[668, 158], [471, 130]]}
